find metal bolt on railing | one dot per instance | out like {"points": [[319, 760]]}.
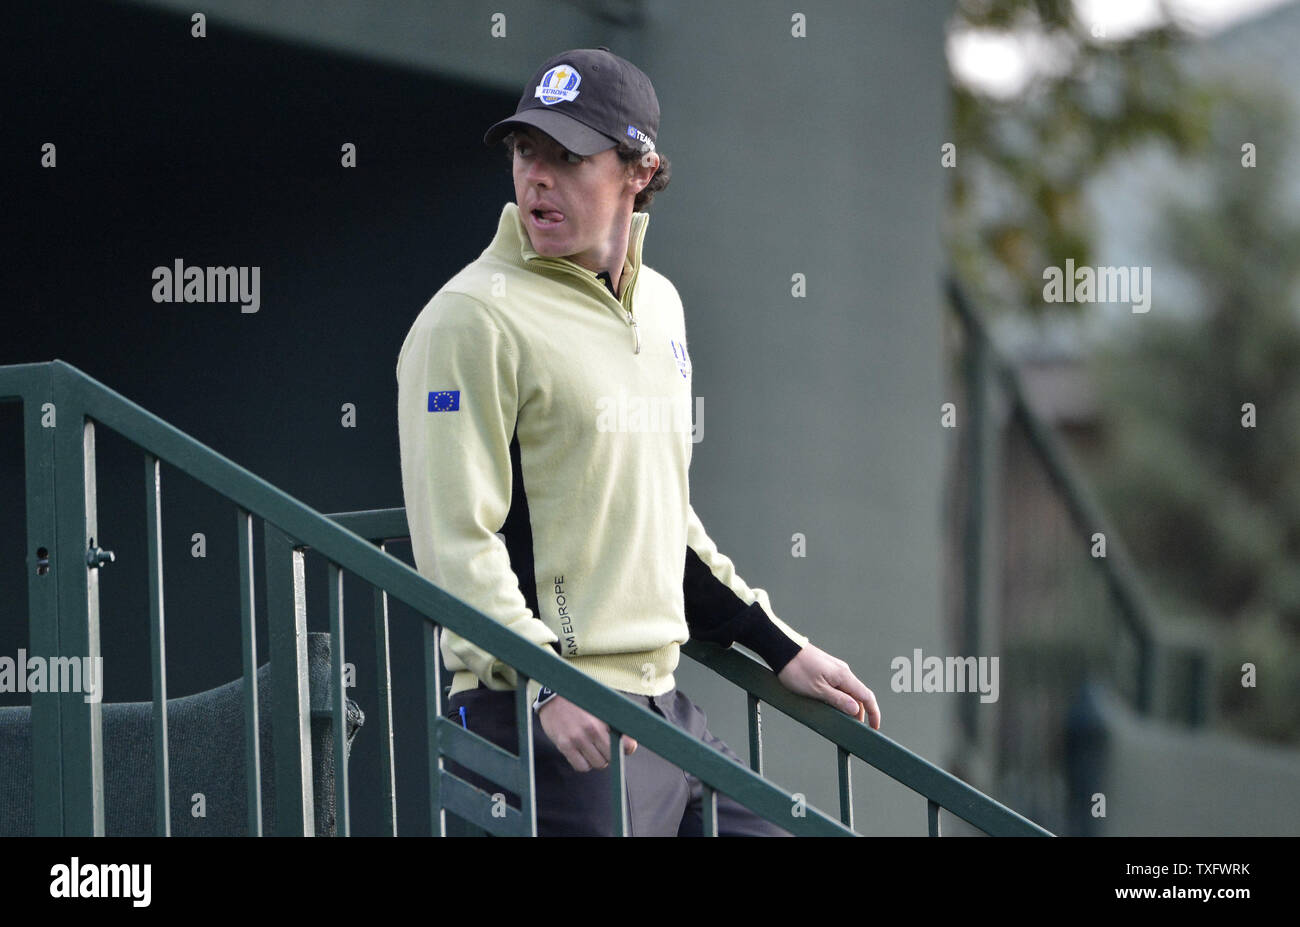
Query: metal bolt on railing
{"points": [[96, 557]]}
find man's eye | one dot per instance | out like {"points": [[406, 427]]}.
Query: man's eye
{"points": [[573, 158]]}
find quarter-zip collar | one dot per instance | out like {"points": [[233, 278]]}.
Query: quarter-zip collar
{"points": [[512, 242]]}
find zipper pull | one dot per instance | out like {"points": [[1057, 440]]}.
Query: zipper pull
{"points": [[636, 334]]}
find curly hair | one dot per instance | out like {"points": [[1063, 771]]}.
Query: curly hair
{"points": [[628, 154]]}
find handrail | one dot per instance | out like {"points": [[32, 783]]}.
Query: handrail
{"points": [[890, 757], [79, 396], [293, 527], [1117, 567], [893, 759]]}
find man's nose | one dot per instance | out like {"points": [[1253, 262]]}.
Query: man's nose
{"points": [[540, 172]]}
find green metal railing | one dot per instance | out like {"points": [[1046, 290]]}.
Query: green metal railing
{"points": [[985, 368], [62, 407], [1030, 588]]}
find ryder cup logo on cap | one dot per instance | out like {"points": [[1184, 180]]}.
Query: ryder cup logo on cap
{"points": [[616, 102], [559, 84]]}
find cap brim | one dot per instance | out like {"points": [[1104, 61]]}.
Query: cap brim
{"points": [[569, 132]]}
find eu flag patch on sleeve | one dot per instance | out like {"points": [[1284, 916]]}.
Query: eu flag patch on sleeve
{"points": [[444, 400]]}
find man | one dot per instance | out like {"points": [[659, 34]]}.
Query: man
{"points": [[526, 503]]}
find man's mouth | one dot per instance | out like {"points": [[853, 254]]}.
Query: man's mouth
{"points": [[547, 217]]}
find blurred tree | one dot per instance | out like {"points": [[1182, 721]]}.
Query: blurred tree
{"points": [[1210, 506], [1016, 203]]}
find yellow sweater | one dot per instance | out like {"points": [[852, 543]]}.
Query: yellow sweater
{"points": [[546, 441]]}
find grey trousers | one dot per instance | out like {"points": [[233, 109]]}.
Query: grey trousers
{"points": [[662, 800]]}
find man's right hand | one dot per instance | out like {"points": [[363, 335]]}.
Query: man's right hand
{"points": [[580, 736]]}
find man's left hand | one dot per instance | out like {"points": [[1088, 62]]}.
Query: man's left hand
{"points": [[817, 674]]}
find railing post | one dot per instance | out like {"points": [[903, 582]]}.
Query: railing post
{"points": [[980, 434], [44, 568], [432, 711], [844, 774], [1146, 674], [338, 703], [618, 783], [286, 607], [384, 699], [1198, 689], [709, 811], [528, 793], [81, 726], [157, 645], [248, 647], [755, 733]]}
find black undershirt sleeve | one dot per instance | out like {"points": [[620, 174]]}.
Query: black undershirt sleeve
{"points": [[715, 613]]}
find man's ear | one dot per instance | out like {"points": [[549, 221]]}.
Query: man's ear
{"points": [[649, 161]]}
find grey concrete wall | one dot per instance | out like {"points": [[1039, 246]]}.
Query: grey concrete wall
{"points": [[450, 38], [820, 156], [1163, 781]]}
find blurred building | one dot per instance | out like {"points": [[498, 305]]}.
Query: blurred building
{"points": [[1067, 733]]}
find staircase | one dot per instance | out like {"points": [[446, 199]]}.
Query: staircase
{"points": [[63, 408]]}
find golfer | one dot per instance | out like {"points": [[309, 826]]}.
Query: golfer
{"points": [[543, 395]]}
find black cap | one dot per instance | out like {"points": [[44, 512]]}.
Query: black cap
{"points": [[587, 99]]}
